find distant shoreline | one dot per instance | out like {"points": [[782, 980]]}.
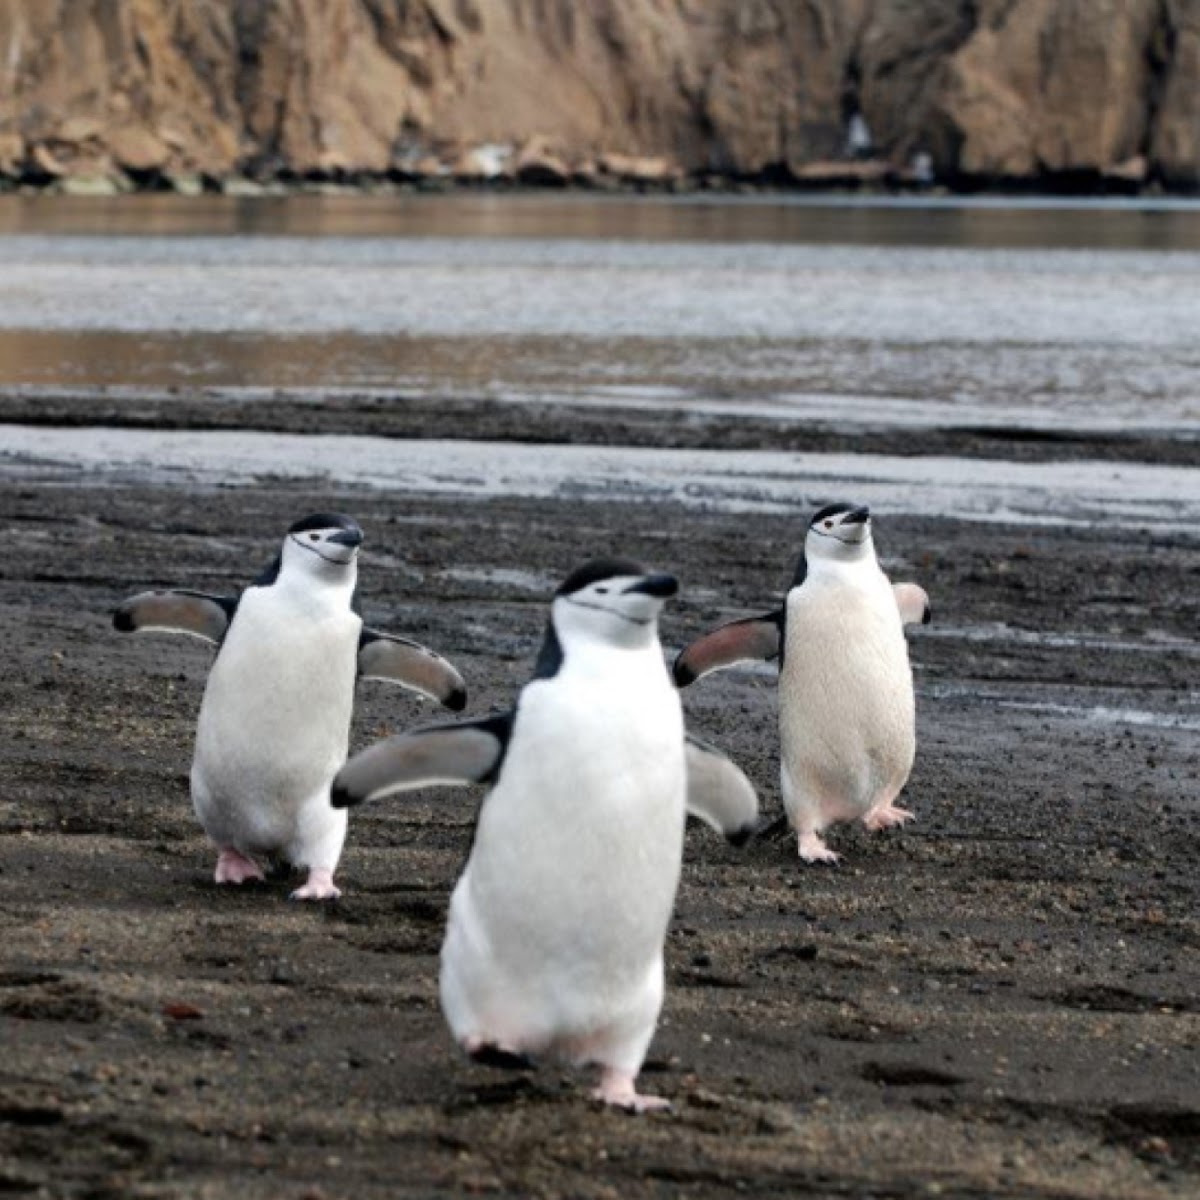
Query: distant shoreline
{"points": [[873, 185]]}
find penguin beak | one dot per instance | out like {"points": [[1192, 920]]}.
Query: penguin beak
{"points": [[857, 516], [347, 537], [660, 586]]}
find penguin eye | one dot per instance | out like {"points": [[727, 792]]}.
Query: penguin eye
{"points": [[314, 537], [828, 524], [602, 591]]}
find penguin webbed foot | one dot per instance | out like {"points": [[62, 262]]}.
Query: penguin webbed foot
{"points": [[888, 817], [234, 867], [319, 886], [617, 1090], [813, 850]]}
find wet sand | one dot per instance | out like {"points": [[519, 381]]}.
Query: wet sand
{"points": [[1000, 1000]]}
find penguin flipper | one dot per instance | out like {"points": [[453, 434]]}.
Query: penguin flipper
{"points": [[913, 603], [718, 793], [454, 755], [397, 660], [752, 638], [180, 611]]}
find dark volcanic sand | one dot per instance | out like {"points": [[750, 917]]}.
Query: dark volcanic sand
{"points": [[999, 1001]]}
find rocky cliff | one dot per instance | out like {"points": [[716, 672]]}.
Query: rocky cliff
{"points": [[968, 90]]}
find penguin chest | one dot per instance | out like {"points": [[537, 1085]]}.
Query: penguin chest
{"points": [[276, 711], [580, 842], [847, 717]]}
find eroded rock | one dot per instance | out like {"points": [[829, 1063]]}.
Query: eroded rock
{"points": [[998, 89]]}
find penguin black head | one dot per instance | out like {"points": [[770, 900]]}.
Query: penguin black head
{"points": [[838, 525], [607, 600], [321, 543], [836, 533]]}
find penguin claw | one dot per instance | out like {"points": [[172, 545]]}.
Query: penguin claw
{"points": [[636, 1103], [307, 893], [888, 817], [814, 850]]}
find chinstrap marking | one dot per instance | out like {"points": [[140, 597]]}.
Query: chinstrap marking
{"points": [[336, 562], [610, 611], [834, 537]]}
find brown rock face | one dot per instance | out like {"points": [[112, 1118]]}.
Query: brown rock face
{"points": [[1175, 143], [1018, 89], [140, 73], [1052, 86]]}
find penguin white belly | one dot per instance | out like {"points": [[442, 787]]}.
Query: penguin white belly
{"points": [[555, 937], [274, 728], [847, 713]]}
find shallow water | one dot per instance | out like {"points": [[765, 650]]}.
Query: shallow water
{"points": [[984, 222], [892, 313], [600, 289]]}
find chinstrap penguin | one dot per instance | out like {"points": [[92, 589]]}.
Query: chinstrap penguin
{"points": [[274, 723], [554, 941], [847, 717]]}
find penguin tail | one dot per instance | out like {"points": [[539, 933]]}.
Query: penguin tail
{"points": [[489, 1054]]}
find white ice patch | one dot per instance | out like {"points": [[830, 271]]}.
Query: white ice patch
{"points": [[1103, 714], [999, 634], [1163, 499], [527, 581]]}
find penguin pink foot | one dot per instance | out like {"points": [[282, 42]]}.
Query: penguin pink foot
{"points": [[320, 886], [813, 849], [887, 817], [617, 1088], [233, 867]]}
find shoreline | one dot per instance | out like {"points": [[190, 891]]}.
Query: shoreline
{"points": [[848, 185]]}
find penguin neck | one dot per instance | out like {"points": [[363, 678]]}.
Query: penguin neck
{"points": [[853, 563], [327, 586], [582, 651]]}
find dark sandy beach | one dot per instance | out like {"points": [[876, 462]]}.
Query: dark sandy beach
{"points": [[1001, 1000]]}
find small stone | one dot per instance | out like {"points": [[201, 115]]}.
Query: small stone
{"points": [[833, 172], [633, 168], [538, 164], [182, 1012], [186, 184], [138, 148], [1131, 170], [89, 185], [237, 185], [483, 162], [79, 129]]}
